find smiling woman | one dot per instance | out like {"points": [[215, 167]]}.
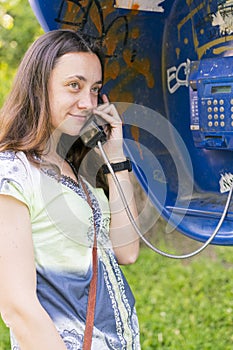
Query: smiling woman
{"points": [[73, 91], [62, 239]]}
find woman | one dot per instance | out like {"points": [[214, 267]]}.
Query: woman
{"points": [[49, 213]]}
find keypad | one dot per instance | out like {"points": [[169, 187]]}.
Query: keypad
{"points": [[216, 109]]}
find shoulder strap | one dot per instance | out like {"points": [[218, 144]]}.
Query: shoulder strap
{"points": [[90, 317]]}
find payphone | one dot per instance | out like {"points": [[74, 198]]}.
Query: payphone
{"points": [[211, 102]]}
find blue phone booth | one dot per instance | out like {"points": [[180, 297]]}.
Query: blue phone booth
{"points": [[168, 67]]}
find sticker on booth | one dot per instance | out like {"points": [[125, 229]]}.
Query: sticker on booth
{"points": [[226, 182], [143, 5], [224, 17]]}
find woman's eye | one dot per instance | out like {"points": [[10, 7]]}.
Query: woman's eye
{"points": [[74, 85], [96, 90]]}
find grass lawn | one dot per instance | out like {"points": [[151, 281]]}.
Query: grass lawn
{"points": [[182, 305]]}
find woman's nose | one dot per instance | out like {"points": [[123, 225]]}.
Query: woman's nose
{"points": [[86, 101]]}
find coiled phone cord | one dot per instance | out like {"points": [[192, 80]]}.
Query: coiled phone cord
{"points": [[135, 226]]}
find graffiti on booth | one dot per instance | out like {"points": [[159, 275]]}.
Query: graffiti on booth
{"points": [[117, 37], [206, 31], [142, 5], [210, 30]]}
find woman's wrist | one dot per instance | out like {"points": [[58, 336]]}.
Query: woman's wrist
{"points": [[117, 159], [118, 166]]}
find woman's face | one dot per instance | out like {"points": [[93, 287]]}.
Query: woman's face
{"points": [[73, 89]]}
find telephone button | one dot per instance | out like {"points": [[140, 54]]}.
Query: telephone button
{"points": [[222, 124], [215, 123], [222, 116], [221, 102], [211, 124], [210, 116], [215, 102], [209, 109], [209, 102], [221, 109]]}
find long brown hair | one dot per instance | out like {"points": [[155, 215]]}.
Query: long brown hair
{"points": [[25, 116]]}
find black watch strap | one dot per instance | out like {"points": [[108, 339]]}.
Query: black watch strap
{"points": [[126, 165]]}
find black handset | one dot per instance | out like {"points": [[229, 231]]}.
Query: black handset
{"points": [[92, 131]]}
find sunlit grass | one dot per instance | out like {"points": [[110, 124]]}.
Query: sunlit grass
{"points": [[184, 305]]}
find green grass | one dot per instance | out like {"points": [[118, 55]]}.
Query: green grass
{"points": [[182, 305], [4, 337]]}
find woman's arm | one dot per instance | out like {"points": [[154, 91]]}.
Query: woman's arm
{"points": [[19, 306], [122, 234]]}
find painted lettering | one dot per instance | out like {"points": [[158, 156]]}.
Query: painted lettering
{"points": [[177, 77]]}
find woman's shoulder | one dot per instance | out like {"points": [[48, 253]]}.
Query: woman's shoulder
{"points": [[16, 177], [12, 156], [12, 162]]}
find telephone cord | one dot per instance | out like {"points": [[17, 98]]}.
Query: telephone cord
{"points": [[136, 228]]}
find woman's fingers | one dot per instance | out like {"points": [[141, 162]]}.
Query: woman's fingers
{"points": [[105, 98], [109, 113]]}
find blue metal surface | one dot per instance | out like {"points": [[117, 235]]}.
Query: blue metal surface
{"points": [[147, 55]]}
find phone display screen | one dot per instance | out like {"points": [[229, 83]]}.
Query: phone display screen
{"points": [[221, 89]]}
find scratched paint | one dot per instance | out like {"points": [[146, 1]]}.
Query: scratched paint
{"points": [[224, 17], [136, 136], [226, 182], [210, 30], [143, 5], [202, 20]]}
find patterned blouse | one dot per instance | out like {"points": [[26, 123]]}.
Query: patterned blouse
{"points": [[62, 229]]}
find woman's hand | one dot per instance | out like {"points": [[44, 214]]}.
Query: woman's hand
{"points": [[114, 146], [124, 239]]}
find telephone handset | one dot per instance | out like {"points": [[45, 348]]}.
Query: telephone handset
{"points": [[211, 102], [92, 131]]}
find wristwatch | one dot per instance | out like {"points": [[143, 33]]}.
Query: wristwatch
{"points": [[126, 165]]}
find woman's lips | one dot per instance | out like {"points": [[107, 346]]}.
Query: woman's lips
{"points": [[79, 117]]}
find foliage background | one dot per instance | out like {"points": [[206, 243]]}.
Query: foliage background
{"points": [[182, 305], [18, 28]]}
